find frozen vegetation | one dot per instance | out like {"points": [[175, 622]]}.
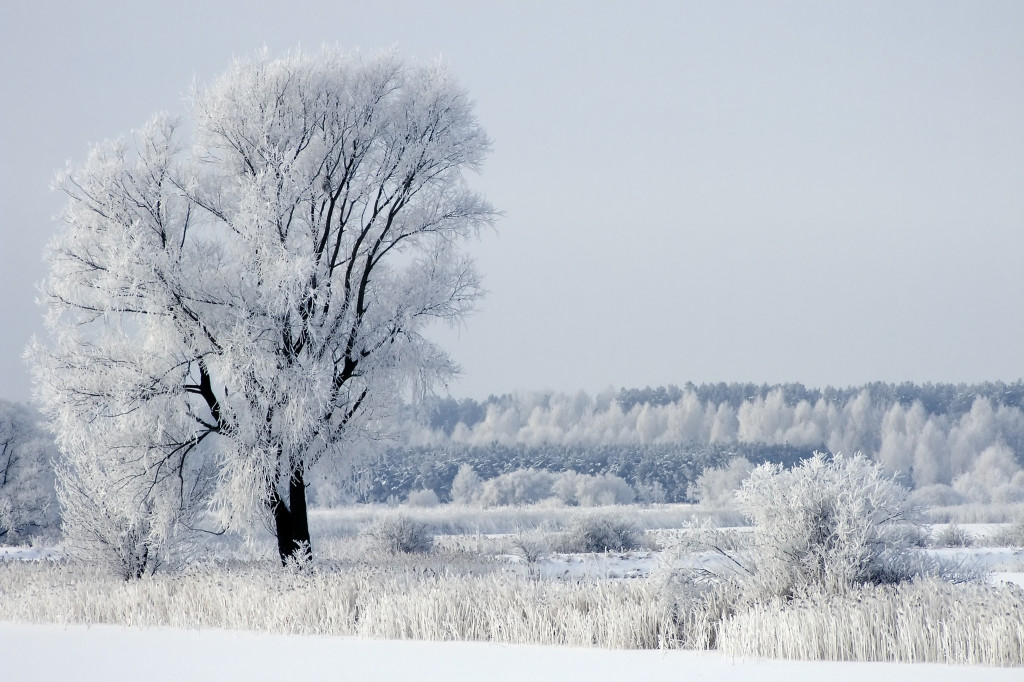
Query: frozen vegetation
{"points": [[829, 557], [238, 303], [835, 565]]}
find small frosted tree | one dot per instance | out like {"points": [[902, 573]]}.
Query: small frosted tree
{"points": [[28, 505], [131, 502], [233, 308], [466, 485]]}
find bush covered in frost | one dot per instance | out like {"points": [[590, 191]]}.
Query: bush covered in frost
{"points": [[28, 501], [601, 533], [953, 536], [399, 535], [1011, 535], [937, 495], [524, 486], [422, 498], [717, 486], [830, 523], [573, 488]]}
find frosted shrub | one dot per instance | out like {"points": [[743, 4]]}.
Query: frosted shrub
{"points": [[28, 502], [953, 536], [995, 468], [1011, 535], [422, 498], [524, 486], [829, 523], [130, 545], [573, 488], [606, 489], [400, 535], [530, 546], [600, 533], [938, 495], [717, 487], [133, 524], [528, 486], [466, 486]]}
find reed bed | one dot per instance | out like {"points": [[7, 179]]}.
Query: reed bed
{"points": [[922, 621], [413, 604]]}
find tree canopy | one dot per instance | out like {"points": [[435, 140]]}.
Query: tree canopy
{"points": [[238, 294]]}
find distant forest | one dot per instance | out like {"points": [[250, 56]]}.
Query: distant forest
{"points": [[937, 399], [962, 442]]}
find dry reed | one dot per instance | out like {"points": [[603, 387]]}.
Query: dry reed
{"points": [[922, 621]]}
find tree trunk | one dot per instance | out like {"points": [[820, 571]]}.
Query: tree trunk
{"points": [[291, 521]]}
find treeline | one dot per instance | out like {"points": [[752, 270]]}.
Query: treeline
{"points": [[960, 442], [936, 399], [966, 439], [657, 473]]}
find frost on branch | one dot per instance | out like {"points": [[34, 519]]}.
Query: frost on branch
{"points": [[232, 310]]}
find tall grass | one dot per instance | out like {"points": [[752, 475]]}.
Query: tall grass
{"points": [[914, 622], [922, 621], [403, 604]]}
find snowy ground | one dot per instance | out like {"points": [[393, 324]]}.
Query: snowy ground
{"points": [[34, 652]]}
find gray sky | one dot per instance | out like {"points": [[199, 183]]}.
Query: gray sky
{"points": [[793, 191]]}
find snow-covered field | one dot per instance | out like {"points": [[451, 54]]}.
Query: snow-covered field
{"points": [[79, 653], [109, 652]]}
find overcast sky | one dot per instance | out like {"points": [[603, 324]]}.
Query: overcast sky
{"points": [[692, 191]]}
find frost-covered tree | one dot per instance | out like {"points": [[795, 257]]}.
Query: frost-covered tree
{"points": [[466, 485], [28, 505], [237, 297]]}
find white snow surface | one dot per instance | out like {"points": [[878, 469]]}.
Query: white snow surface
{"points": [[80, 653]]}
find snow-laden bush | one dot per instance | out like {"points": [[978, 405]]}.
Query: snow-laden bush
{"points": [[125, 507], [953, 536], [422, 498], [600, 533], [400, 535], [584, 490], [937, 495], [524, 486], [829, 523], [716, 487], [115, 526], [531, 546], [1008, 493], [1011, 535]]}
